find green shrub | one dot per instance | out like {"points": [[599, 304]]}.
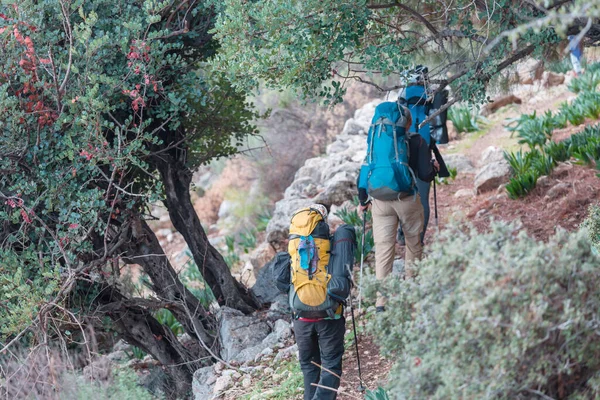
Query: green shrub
{"points": [[558, 151], [585, 145], [445, 181], [351, 217], [573, 113], [588, 81], [495, 315], [464, 118], [535, 130], [379, 394], [521, 185]]}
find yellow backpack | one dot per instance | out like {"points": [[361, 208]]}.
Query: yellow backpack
{"points": [[309, 249]]}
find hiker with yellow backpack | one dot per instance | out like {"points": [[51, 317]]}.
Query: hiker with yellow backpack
{"points": [[316, 272]]}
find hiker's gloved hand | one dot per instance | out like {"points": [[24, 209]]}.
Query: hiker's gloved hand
{"points": [[436, 165], [364, 208]]}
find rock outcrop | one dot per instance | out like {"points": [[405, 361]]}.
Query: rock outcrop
{"points": [[330, 179]]}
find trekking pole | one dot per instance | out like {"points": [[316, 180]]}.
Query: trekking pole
{"points": [[362, 260], [361, 386], [435, 198]]}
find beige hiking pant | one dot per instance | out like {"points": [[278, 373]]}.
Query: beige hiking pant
{"points": [[386, 214]]}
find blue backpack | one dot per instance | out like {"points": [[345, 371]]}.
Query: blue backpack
{"points": [[416, 101], [386, 175]]}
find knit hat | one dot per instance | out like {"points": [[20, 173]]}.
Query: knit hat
{"points": [[320, 208]]}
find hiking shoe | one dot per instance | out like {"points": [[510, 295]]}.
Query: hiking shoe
{"points": [[379, 309]]}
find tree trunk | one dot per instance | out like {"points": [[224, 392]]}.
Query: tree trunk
{"points": [[139, 328], [176, 179], [145, 250]]}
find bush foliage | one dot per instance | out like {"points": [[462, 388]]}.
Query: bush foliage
{"points": [[496, 316]]}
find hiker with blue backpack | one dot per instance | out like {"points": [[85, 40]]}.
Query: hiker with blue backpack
{"points": [[316, 273], [421, 105], [388, 181]]}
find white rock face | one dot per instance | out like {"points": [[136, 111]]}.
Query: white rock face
{"points": [[491, 176], [492, 154], [461, 162], [330, 179]]}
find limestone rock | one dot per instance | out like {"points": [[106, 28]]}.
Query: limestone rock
{"points": [[464, 194], [246, 382], [562, 170], [491, 176], [498, 103], [529, 71], [560, 189], [461, 162], [543, 181], [99, 370], [550, 79], [223, 382], [492, 154], [282, 329], [238, 332]]}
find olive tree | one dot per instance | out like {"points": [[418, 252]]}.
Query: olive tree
{"points": [[106, 107], [317, 47]]}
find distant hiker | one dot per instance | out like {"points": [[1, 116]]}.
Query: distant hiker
{"points": [[316, 274], [416, 98], [388, 177], [576, 50]]}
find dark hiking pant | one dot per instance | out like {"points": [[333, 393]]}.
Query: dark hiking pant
{"points": [[323, 343]]}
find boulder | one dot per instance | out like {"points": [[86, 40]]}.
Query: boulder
{"points": [[491, 176], [253, 353], [156, 380], [287, 352], [560, 189], [550, 79], [99, 370], [280, 308], [261, 255], [562, 170], [461, 162], [302, 188], [223, 383], [492, 154], [338, 189], [282, 329], [238, 332], [337, 146], [312, 168], [529, 71], [464, 194], [225, 208], [498, 103], [353, 127]]}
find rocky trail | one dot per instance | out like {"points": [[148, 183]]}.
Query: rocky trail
{"points": [[259, 351]]}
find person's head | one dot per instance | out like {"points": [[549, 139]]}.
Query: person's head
{"points": [[418, 74]]}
